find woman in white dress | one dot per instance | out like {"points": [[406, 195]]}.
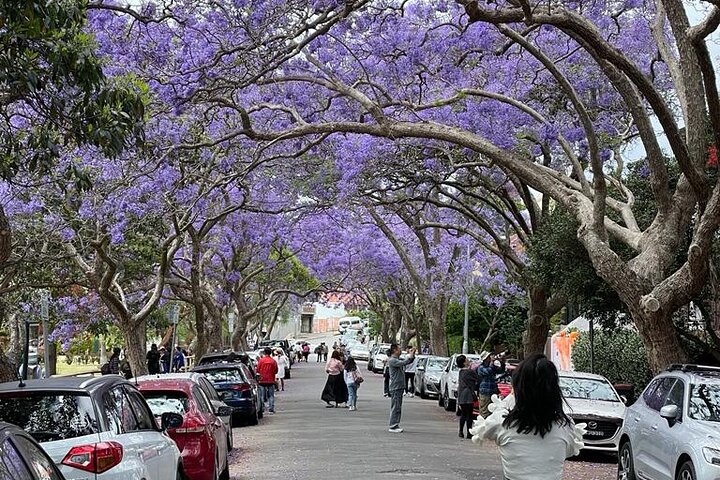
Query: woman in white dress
{"points": [[282, 363], [533, 432]]}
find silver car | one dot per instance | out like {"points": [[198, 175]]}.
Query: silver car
{"points": [[592, 400], [672, 432], [427, 375]]}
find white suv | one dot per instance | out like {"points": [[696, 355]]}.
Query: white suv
{"points": [[97, 428], [672, 432], [449, 380]]}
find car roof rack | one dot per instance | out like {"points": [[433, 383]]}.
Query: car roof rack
{"points": [[689, 367]]}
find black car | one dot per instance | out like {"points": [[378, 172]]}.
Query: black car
{"points": [[427, 375], [237, 387], [22, 458]]}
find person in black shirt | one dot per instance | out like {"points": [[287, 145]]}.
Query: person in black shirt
{"points": [[153, 360], [468, 383]]}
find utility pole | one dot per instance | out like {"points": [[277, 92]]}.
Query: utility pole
{"points": [[466, 324], [174, 314], [45, 315]]}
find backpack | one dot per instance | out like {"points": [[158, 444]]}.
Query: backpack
{"points": [[105, 369]]}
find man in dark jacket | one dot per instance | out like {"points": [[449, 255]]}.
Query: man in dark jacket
{"points": [[115, 361], [153, 360], [267, 368], [165, 359]]}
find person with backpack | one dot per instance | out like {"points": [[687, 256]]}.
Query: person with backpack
{"points": [[353, 379], [112, 365]]}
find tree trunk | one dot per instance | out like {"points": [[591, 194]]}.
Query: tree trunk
{"points": [[536, 331], [8, 369], [436, 314], [134, 339], [5, 237], [662, 343], [213, 324]]}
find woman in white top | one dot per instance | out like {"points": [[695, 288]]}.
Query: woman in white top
{"points": [[535, 436], [282, 363]]}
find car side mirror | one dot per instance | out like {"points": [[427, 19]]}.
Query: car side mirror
{"points": [[171, 420], [224, 411], [669, 413]]}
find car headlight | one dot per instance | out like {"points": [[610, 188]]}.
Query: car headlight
{"points": [[432, 379], [712, 455]]}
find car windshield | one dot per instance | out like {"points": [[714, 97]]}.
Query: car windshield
{"points": [[163, 401], [705, 402], [587, 389], [224, 375], [436, 364], [50, 416]]}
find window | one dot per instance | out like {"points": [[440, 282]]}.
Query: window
{"points": [[587, 388], [111, 413], [202, 402], [164, 401], [705, 402], [676, 395], [208, 389], [145, 420], [50, 416], [39, 462], [224, 375], [655, 398], [124, 411]]}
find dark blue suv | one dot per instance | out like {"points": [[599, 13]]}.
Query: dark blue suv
{"points": [[237, 387]]}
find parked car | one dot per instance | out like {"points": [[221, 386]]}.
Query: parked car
{"points": [[209, 392], [378, 356], [237, 387], [98, 428], [346, 323], [427, 375], [284, 344], [21, 457], [448, 381], [672, 431], [360, 351], [203, 437], [228, 356], [591, 399]]}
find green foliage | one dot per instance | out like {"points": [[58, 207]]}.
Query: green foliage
{"points": [[53, 91], [509, 326], [619, 356]]}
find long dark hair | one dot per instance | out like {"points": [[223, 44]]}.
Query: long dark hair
{"points": [[350, 365], [538, 399]]}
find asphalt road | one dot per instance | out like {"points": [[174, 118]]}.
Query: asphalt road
{"points": [[304, 440]]}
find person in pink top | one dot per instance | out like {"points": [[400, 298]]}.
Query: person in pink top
{"points": [[335, 388]]}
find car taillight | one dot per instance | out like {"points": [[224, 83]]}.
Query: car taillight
{"points": [[191, 425], [242, 387], [95, 458]]}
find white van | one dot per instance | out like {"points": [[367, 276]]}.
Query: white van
{"points": [[355, 323]]}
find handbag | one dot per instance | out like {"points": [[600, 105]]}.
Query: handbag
{"points": [[357, 377]]}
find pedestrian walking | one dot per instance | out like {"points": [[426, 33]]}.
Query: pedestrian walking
{"points": [[489, 368], [532, 431], [153, 360], [318, 354], [113, 364], [353, 379], [324, 352], [335, 389], [306, 351], [468, 382], [410, 378], [165, 360], [283, 364], [267, 369], [178, 361], [396, 368]]}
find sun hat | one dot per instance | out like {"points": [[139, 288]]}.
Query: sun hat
{"points": [[484, 355]]}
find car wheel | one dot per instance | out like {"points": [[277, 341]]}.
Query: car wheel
{"points": [[423, 393], [230, 440], [180, 475], [440, 400], [370, 366], [447, 403], [253, 418], [626, 468], [686, 472], [235, 420]]}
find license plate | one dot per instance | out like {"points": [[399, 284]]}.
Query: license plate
{"points": [[592, 433]]}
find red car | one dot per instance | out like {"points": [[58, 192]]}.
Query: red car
{"points": [[202, 438]]}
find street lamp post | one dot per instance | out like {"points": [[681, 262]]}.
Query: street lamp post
{"points": [[174, 315], [466, 323]]}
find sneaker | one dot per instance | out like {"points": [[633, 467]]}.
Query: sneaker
{"points": [[395, 430], [385, 395], [329, 405], [271, 412], [412, 395], [352, 409]]}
